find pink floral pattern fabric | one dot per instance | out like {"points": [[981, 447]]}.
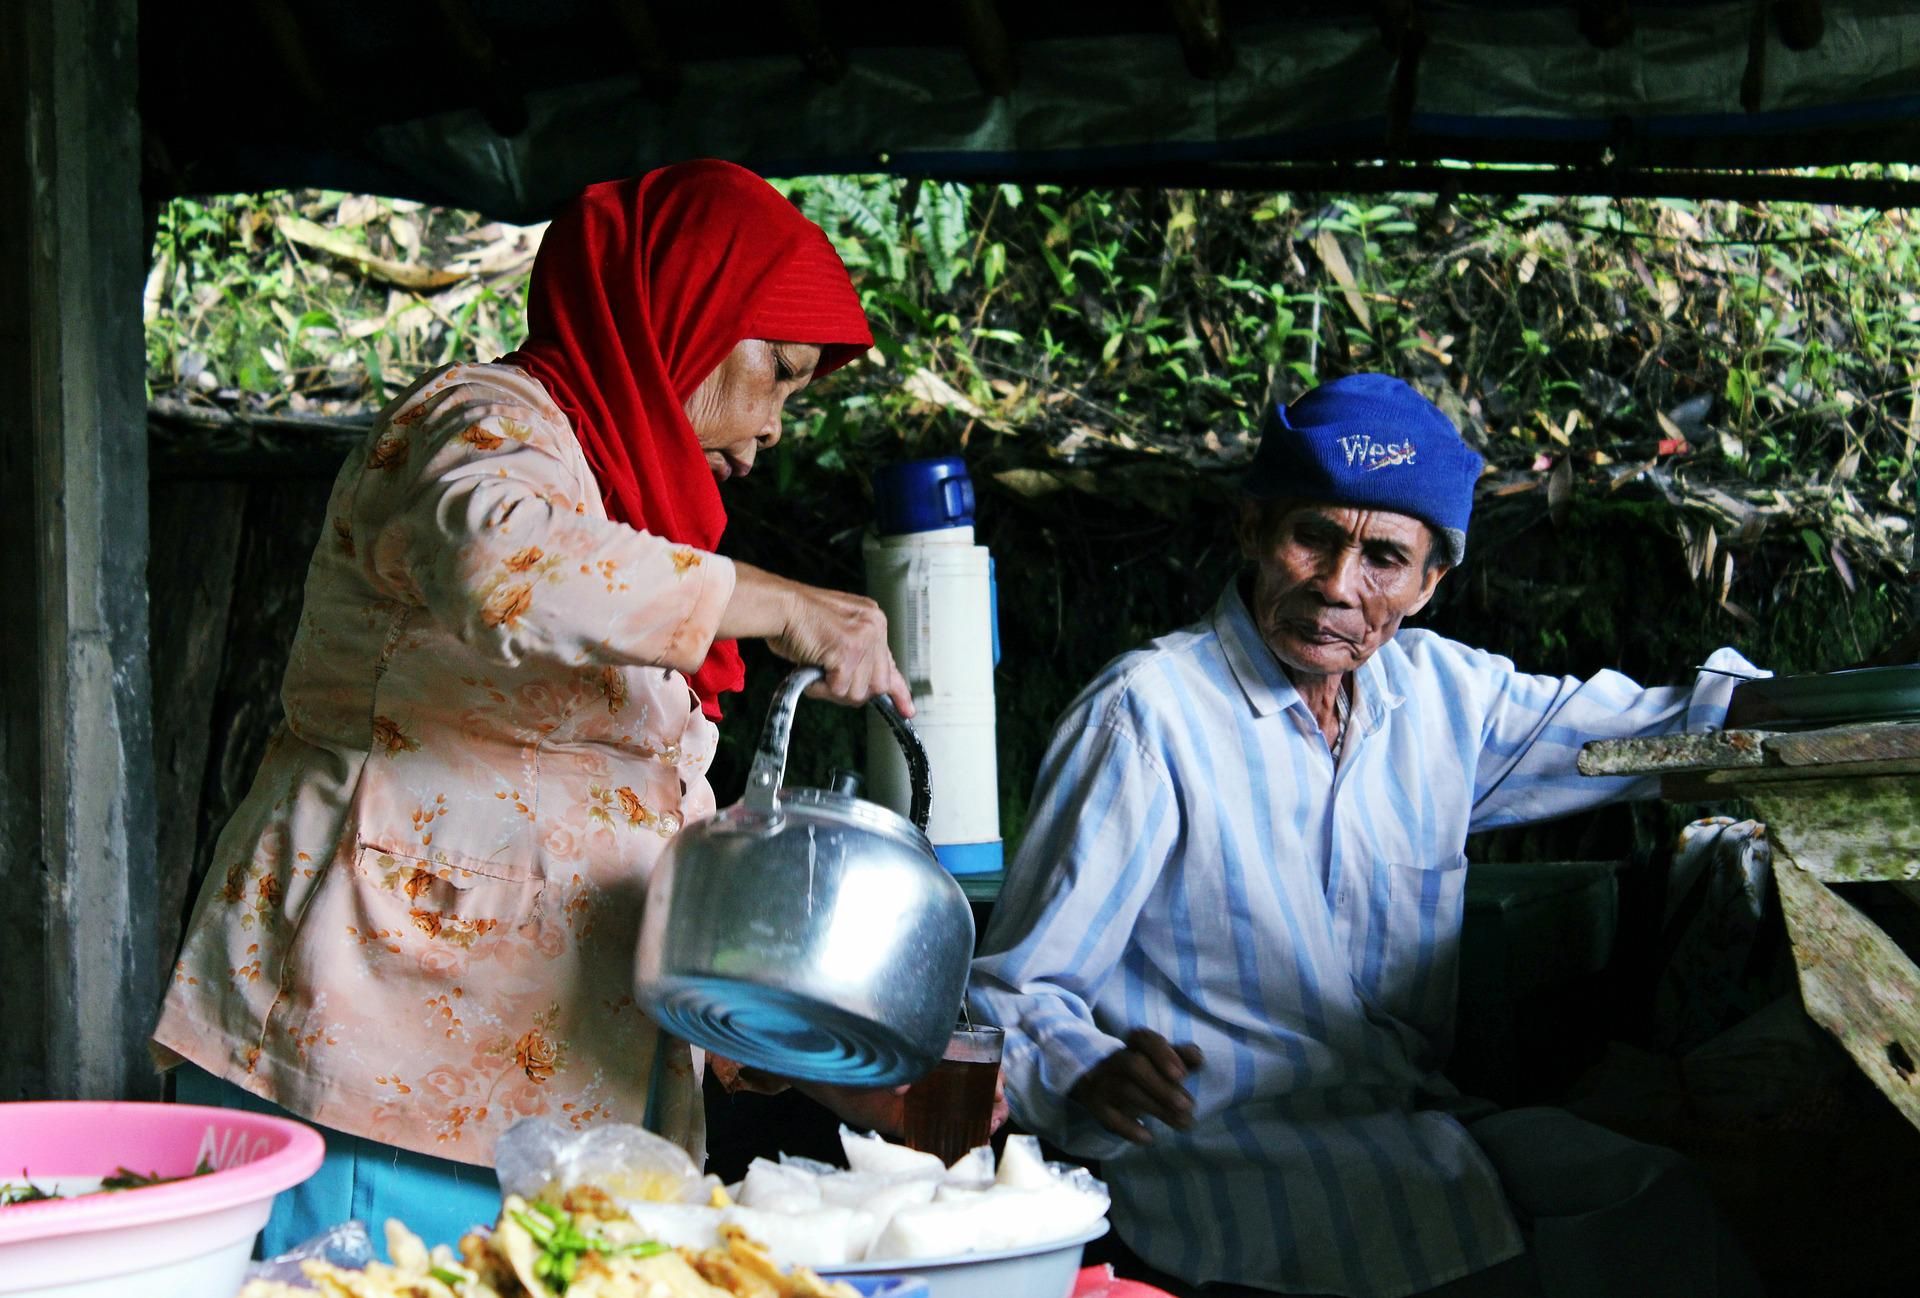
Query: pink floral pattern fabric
{"points": [[419, 925]]}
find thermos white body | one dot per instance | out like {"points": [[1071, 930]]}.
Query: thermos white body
{"points": [[936, 588]]}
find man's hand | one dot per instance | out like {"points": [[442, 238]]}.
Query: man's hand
{"points": [[1145, 1080]]}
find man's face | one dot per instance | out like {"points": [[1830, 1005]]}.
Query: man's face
{"points": [[1331, 584]]}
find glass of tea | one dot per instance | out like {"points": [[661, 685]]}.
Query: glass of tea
{"points": [[950, 1110]]}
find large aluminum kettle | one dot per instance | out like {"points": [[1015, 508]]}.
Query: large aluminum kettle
{"points": [[806, 931]]}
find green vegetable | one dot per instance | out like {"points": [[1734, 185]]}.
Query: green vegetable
{"points": [[122, 1179], [24, 1192], [451, 1279], [563, 1244]]}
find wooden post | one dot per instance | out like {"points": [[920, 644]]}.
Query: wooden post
{"points": [[79, 968]]}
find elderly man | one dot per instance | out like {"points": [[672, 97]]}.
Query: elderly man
{"points": [[1225, 955]]}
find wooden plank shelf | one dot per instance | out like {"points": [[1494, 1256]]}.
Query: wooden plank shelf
{"points": [[1842, 806], [1747, 751]]}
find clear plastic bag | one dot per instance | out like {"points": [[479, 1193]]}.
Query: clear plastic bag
{"points": [[346, 1245], [537, 1157]]}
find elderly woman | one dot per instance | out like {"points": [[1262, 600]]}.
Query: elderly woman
{"points": [[419, 925]]}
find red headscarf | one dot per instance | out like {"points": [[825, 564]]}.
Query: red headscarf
{"points": [[640, 290]]}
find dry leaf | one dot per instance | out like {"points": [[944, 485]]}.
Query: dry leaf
{"points": [[1030, 483], [924, 385], [1560, 490], [1034, 483], [406, 234], [336, 244], [1841, 566], [1217, 341], [1622, 478], [1327, 248], [506, 255], [356, 210]]}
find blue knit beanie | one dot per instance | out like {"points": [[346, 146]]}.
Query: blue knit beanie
{"points": [[1368, 441]]}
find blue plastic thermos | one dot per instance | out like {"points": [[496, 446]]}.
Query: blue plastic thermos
{"points": [[936, 587]]}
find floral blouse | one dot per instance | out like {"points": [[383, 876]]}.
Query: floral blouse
{"points": [[419, 926]]}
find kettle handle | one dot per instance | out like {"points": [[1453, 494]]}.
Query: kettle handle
{"points": [[770, 761]]}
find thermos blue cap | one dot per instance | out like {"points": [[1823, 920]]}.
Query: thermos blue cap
{"points": [[922, 496]]}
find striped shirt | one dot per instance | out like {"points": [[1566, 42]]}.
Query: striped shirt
{"points": [[1199, 865]]}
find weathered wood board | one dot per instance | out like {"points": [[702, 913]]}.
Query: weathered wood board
{"points": [[1844, 745], [1848, 828], [1842, 807], [1717, 750], [196, 534], [281, 524], [1856, 982], [1726, 756], [79, 972]]}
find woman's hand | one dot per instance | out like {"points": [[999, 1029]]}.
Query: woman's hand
{"points": [[844, 635]]}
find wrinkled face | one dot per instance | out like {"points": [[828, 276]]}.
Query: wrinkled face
{"points": [[735, 411], [1331, 584]]}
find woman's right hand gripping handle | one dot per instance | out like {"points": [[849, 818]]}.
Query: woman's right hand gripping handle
{"points": [[842, 634]]}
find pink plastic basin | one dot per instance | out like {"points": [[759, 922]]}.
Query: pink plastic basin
{"points": [[190, 1237]]}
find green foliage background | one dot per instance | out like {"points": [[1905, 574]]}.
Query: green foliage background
{"points": [[1700, 419]]}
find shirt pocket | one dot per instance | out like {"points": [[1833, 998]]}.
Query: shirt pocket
{"points": [[1419, 947], [392, 937]]}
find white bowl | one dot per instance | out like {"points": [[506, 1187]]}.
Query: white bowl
{"points": [[1035, 1271]]}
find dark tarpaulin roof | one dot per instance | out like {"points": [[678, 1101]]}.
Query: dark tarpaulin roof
{"points": [[509, 107]]}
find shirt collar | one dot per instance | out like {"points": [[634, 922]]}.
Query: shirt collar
{"points": [[1264, 681], [1258, 672]]}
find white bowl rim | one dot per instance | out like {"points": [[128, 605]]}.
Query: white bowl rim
{"points": [[914, 1265]]}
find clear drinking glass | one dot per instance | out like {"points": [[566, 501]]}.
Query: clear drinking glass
{"points": [[950, 1110]]}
